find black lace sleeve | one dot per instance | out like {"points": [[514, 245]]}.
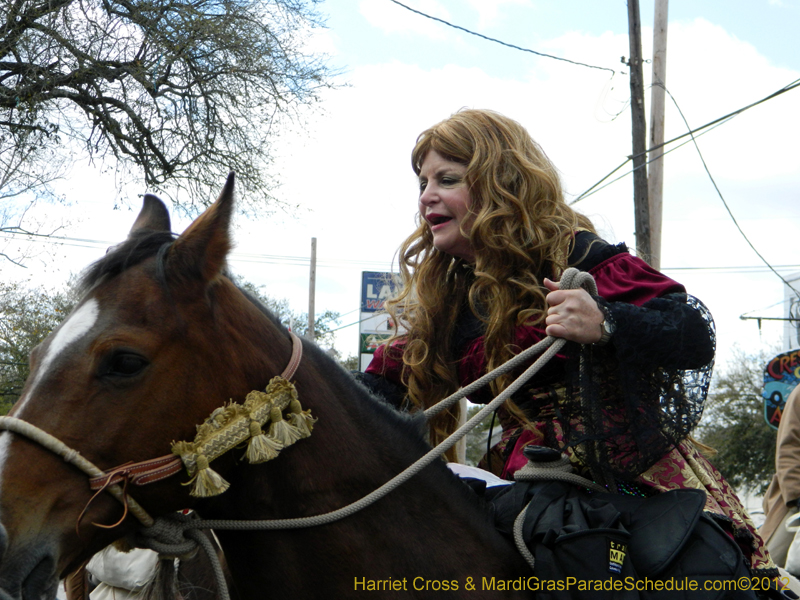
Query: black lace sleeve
{"points": [[673, 332], [630, 402]]}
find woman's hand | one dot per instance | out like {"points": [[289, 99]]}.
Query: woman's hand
{"points": [[573, 314]]}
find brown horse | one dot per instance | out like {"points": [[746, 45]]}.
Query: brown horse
{"points": [[161, 339]]}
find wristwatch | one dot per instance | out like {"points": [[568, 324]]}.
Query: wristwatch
{"points": [[607, 327]]}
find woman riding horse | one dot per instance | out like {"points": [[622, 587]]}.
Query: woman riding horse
{"points": [[479, 276], [164, 347]]}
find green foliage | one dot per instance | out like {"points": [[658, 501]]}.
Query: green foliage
{"points": [[733, 423], [324, 324], [27, 316], [350, 363]]}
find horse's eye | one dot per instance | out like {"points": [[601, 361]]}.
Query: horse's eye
{"points": [[125, 364]]}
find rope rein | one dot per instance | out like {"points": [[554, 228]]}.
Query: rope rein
{"points": [[571, 279], [168, 534], [550, 346]]}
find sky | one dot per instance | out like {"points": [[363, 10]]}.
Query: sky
{"points": [[348, 172]]}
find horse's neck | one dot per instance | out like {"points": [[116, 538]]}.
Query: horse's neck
{"points": [[428, 527]]}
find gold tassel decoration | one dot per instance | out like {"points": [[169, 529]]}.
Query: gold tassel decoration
{"points": [[231, 425], [207, 482], [260, 448], [301, 419], [282, 431]]}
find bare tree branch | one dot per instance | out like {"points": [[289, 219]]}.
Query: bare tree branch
{"points": [[179, 91]]}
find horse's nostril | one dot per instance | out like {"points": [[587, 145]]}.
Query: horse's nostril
{"points": [[41, 582]]}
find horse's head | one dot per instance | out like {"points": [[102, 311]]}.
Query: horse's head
{"points": [[142, 360]]}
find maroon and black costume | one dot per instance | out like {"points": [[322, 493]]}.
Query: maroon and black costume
{"points": [[623, 411]]}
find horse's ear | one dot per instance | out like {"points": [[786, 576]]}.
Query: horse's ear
{"points": [[200, 251], [154, 215]]}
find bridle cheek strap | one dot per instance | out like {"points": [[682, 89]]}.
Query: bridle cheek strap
{"points": [[156, 469], [141, 473]]}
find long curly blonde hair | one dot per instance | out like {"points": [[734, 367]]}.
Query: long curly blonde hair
{"points": [[521, 230]]}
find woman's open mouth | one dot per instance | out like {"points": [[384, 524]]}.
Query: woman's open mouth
{"points": [[436, 221]]}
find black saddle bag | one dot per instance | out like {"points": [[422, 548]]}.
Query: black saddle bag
{"points": [[608, 546]]}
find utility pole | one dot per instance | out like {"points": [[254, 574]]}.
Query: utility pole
{"points": [[312, 280], [655, 178], [639, 130]]}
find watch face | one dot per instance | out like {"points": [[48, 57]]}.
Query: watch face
{"points": [[608, 327]]}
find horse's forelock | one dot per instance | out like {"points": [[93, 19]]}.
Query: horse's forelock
{"points": [[140, 246]]}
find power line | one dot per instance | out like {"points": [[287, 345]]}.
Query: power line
{"points": [[794, 84], [594, 189], [721, 197], [346, 326], [735, 269], [714, 123], [744, 314], [301, 261], [502, 43], [367, 318], [275, 259]]}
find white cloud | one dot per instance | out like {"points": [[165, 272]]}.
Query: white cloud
{"points": [[489, 10], [711, 73]]}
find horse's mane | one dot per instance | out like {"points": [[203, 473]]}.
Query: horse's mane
{"points": [[139, 246], [377, 409]]}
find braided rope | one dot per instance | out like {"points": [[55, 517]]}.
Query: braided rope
{"points": [[571, 279], [557, 470], [419, 465], [171, 538], [519, 538]]}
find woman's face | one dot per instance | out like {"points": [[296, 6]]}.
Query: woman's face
{"points": [[444, 202]]}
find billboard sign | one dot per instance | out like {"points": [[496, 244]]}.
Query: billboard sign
{"points": [[375, 325], [376, 288]]}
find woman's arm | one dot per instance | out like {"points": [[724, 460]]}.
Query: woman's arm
{"points": [[656, 324], [383, 375]]}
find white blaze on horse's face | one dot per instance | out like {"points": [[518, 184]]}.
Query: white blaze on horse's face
{"points": [[75, 327]]}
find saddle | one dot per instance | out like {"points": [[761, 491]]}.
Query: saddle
{"points": [[598, 545]]}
